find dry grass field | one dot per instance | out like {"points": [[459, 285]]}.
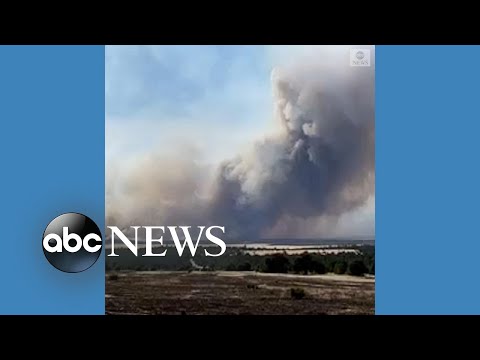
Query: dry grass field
{"points": [[221, 292]]}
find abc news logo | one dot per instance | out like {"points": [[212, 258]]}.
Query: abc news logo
{"points": [[72, 242], [360, 57]]}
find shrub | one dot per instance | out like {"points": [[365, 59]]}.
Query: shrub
{"points": [[113, 277], [230, 267], [340, 267], [303, 264], [306, 263], [277, 264], [245, 267], [319, 267], [297, 293], [357, 268]]}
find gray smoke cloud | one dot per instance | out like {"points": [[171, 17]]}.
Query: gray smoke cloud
{"points": [[318, 163]]}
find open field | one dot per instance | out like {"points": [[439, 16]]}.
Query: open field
{"points": [[233, 292]]}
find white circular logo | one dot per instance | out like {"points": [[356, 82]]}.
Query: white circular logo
{"points": [[359, 55]]}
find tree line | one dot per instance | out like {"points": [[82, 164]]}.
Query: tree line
{"points": [[238, 260]]}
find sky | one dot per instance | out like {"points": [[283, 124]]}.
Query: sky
{"points": [[157, 93], [212, 99]]}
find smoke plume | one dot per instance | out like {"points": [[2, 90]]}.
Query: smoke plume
{"points": [[319, 162]]}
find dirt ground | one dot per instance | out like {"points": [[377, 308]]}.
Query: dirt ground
{"points": [[217, 293]]}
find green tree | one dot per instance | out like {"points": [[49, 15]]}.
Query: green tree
{"points": [[357, 268], [307, 264], [340, 267], [230, 267], [277, 264], [303, 264], [245, 267], [319, 267]]}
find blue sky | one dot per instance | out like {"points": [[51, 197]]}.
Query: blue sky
{"points": [[146, 78], [219, 93], [204, 95]]}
